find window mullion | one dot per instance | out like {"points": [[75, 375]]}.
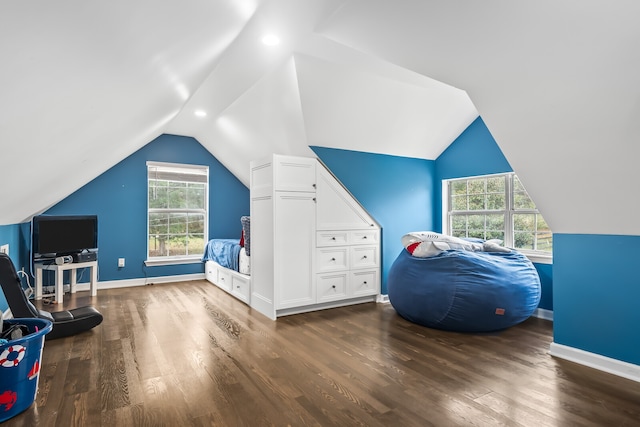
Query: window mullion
{"points": [[508, 220]]}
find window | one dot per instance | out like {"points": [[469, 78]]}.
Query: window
{"points": [[177, 212], [496, 207]]}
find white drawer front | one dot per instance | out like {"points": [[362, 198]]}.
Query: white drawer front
{"points": [[364, 282], [211, 272], [332, 259], [241, 288], [364, 237], [224, 280], [364, 256], [331, 238], [331, 287]]}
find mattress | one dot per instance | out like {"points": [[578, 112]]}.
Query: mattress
{"points": [[244, 262]]}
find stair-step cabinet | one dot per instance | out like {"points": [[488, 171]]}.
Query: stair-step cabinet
{"points": [[313, 246]]}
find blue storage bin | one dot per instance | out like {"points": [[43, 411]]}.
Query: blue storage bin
{"points": [[20, 367]]}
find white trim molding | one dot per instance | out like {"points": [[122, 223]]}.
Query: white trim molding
{"points": [[128, 283], [596, 361], [543, 313], [382, 299]]}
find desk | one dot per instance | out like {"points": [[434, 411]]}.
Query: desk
{"points": [[59, 269]]}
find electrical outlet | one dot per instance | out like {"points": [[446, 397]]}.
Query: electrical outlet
{"points": [[4, 249], [120, 262]]}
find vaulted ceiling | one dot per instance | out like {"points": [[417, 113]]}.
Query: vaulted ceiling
{"points": [[85, 84]]}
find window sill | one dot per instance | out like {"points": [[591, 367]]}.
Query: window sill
{"points": [[539, 258], [172, 261]]}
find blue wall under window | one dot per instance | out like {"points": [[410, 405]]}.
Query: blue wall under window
{"points": [[596, 294], [119, 198], [397, 191]]}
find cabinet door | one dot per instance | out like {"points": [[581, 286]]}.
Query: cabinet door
{"points": [[294, 173], [294, 249], [337, 208]]}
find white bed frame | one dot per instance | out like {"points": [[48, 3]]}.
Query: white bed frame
{"points": [[237, 284]]}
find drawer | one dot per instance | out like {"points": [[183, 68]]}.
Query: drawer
{"points": [[211, 272], [331, 287], [363, 237], [224, 279], [363, 256], [331, 238], [241, 288], [332, 259], [365, 282]]}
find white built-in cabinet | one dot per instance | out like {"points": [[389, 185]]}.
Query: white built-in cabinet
{"points": [[313, 246]]}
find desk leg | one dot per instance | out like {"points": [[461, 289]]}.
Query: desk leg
{"points": [[72, 280], [59, 285], [38, 283], [94, 280]]}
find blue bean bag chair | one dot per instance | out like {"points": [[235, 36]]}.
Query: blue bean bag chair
{"points": [[464, 291]]}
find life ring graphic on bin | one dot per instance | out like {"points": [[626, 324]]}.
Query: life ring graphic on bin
{"points": [[8, 359]]}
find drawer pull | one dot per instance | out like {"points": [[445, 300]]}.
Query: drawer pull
{"points": [[364, 237], [364, 257], [333, 286], [364, 283], [333, 238], [333, 259]]}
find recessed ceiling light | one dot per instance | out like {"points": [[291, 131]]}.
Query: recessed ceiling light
{"points": [[271, 40], [200, 113]]}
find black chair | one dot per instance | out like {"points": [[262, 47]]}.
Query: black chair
{"points": [[65, 323]]}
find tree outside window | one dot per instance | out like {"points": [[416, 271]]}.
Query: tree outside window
{"points": [[496, 207]]}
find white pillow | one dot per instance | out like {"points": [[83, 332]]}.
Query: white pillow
{"points": [[424, 244]]}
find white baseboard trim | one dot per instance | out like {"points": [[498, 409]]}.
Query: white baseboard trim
{"points": [[382, 299], [543, 313], [596, 361], [143, 281]]}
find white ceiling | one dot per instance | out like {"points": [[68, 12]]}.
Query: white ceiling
{"points": [[85, 84]]}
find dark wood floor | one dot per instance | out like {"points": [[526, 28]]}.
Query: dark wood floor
{"points": [[188, 354]]}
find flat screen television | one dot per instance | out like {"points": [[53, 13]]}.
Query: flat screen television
{"points": [[54, 235]]}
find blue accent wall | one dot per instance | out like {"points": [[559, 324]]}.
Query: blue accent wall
{"points": [[119, 198], [596, 294], [475, 152], [397, 191], [545, 272]]}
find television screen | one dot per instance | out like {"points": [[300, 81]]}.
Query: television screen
{"points": [[64, 235]]}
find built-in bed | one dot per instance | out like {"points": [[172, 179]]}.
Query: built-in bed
{"points": [[228, 263]]}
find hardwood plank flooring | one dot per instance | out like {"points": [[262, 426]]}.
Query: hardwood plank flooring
{"points": [[188, 354]]}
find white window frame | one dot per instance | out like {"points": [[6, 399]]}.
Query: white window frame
{"points": [[189, 169], [541, 257]]}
